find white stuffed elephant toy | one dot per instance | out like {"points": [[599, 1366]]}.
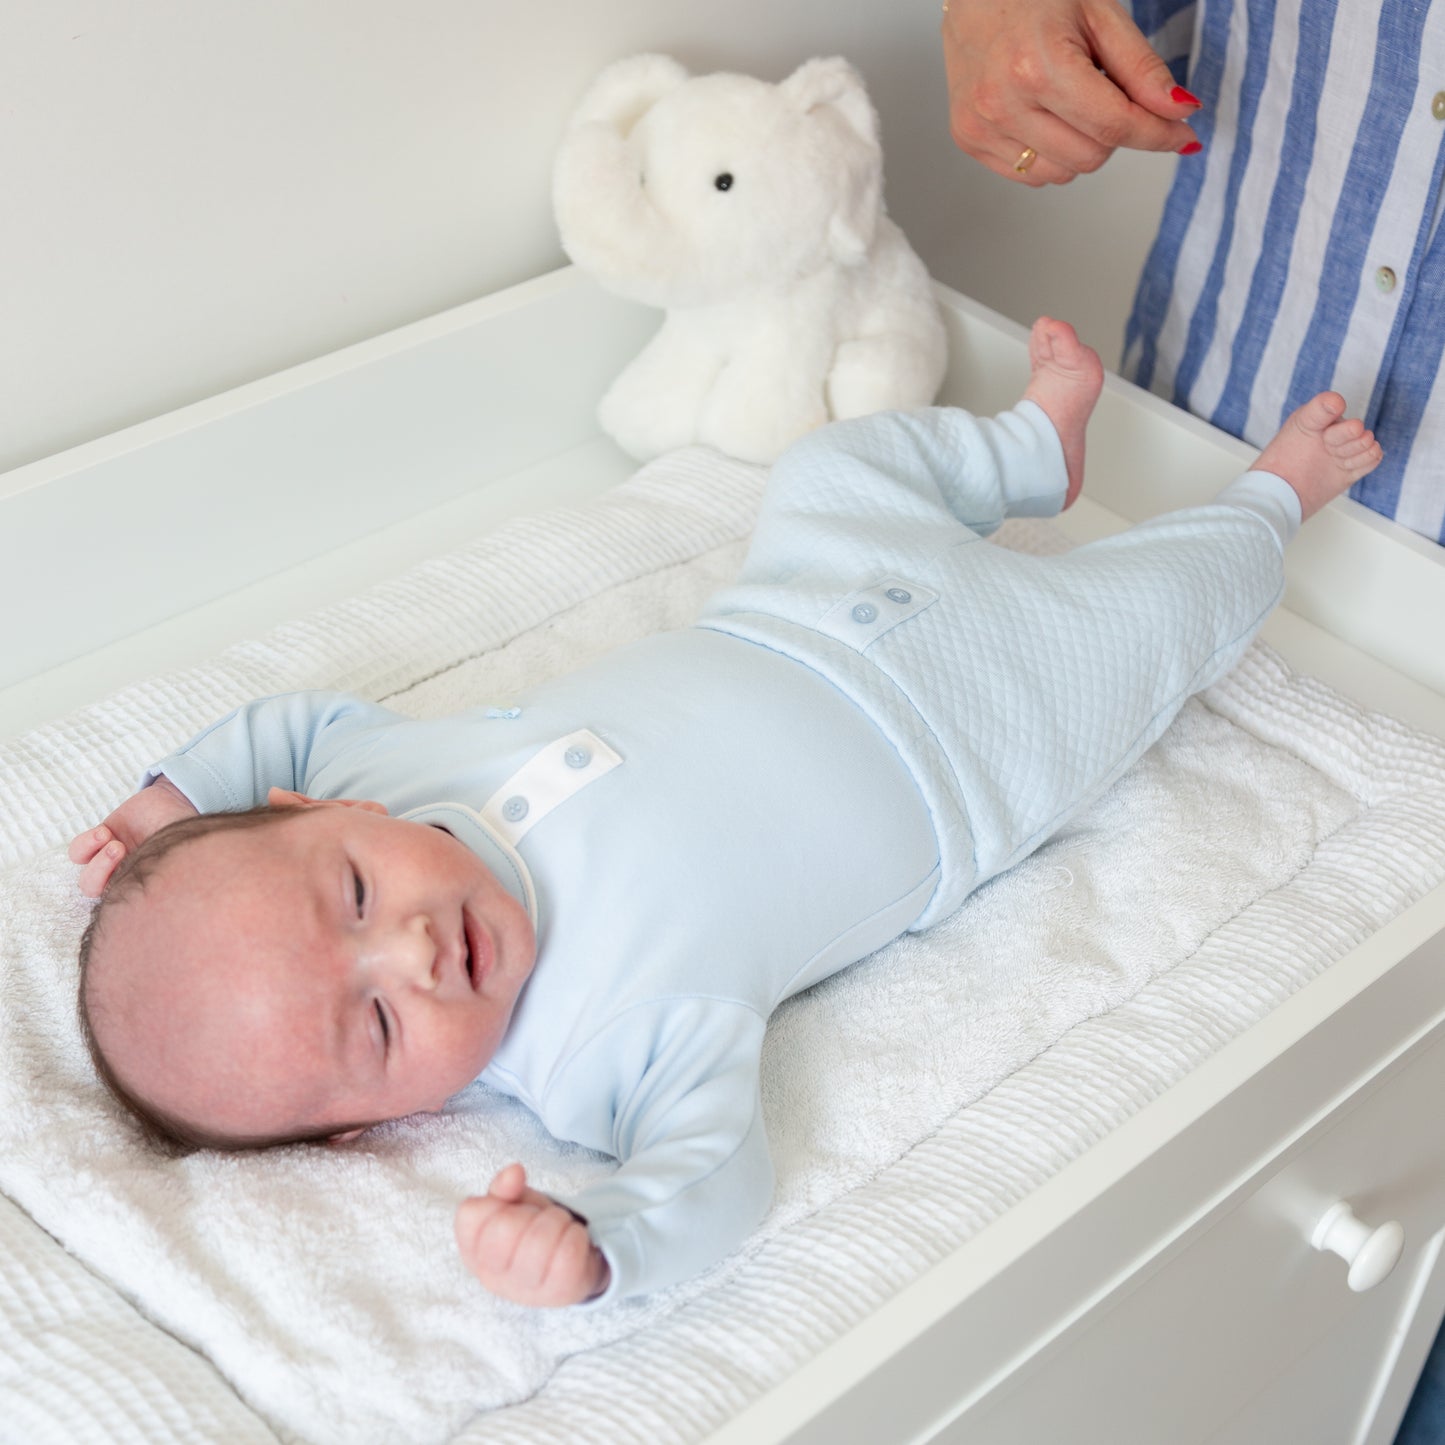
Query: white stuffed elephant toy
{"points": [[753, 214]]}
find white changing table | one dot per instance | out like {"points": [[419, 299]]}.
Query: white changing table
{"points": [[1162, 1289]]}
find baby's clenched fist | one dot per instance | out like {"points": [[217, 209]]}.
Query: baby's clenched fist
{"points": [[527, 1247]]}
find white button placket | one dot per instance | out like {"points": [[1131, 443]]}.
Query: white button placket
{"points": [[550, 776], [864, 616]]}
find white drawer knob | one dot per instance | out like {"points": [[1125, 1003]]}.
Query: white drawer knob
{"points": [[1370, 1253]]}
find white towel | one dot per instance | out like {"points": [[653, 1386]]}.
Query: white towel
{"points": [[322, 1281]]}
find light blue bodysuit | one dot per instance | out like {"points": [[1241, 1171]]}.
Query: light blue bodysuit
{"points": [[881, 713]]}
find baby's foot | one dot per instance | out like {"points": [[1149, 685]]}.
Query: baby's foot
{"points": [[1318, 454], [1067, 379]]}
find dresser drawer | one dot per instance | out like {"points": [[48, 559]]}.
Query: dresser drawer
{"points": [[1177, 1352]]}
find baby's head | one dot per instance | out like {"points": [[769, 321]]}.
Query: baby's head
{"points": [[298, 972]]}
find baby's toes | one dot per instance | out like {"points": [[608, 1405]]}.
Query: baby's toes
{"points": [[1363, 456], [1357, 447], [1069, 351], [1344, 433], [1041, 341], [1319, 413]]}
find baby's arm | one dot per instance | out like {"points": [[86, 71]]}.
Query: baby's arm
{"points": [[526, 1247], [679, 1083], [277, 742], [101, 849], [694, 1177]]}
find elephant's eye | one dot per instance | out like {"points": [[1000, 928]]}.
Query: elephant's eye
{"points": [[724, 182]]}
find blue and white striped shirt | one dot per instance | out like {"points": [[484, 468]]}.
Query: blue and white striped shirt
{"points": [[1303, 249]]}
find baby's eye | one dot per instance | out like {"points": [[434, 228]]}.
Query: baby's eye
{"points": [[385, 1030], [360, 890]]}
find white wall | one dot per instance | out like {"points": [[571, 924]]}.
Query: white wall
{"points": [[194, 193]]}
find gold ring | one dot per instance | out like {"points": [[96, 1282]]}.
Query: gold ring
{"points": [[1026, 158]]}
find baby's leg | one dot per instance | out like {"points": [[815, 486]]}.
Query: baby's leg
{"points": [[1183, 596], [924, 470], [1043, 678], [1102, 648]]}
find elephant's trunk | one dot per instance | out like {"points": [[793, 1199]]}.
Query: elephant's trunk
{"points": [[610, 226]]}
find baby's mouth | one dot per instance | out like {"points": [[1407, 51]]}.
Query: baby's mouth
{"points": [[470, 959]]}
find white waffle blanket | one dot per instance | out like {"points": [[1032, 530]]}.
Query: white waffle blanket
{"points": [[909, 1100]]}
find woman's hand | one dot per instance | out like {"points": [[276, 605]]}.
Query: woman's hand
{"points": [[1070, 80], [527, 1247], [100, 849]]}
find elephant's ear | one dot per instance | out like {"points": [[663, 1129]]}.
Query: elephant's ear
{"points": [[833, 83]]}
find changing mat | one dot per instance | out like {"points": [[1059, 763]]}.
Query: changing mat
{"points": [[909, 1100]]}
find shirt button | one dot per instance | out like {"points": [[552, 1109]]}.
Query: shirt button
{"points": [[515, 809], [1437, 106], [865, 612], [577, 757], [1385, 279], [899, 595]]}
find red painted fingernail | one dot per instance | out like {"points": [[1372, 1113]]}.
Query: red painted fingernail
{"points": [[1180, 96], [1192, 149]]}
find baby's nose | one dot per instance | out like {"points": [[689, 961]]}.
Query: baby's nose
{"points": [[412, 953]]}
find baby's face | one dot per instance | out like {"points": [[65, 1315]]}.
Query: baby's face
{"points": [[335, 969]]}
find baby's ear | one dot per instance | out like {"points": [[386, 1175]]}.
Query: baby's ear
{"points": [[286, 798]]}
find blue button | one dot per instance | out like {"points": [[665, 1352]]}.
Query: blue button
{"points": [[865, 612], [515, 809], [577, 757], [899, 595]]}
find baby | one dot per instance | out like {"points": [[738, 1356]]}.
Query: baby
{"points": [[594, 899]]}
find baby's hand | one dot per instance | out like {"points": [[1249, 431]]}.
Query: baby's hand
{"points": [[101, 849], [527, 1247]]}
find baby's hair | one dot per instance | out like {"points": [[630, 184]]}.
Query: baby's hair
{"points": [[163, 1131]]}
